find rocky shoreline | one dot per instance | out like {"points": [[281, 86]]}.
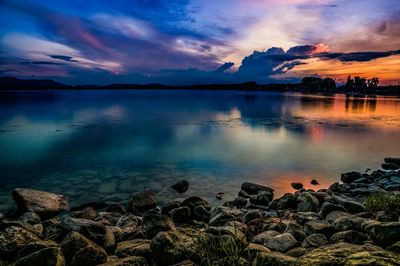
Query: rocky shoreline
{"points": [[355, 222]]}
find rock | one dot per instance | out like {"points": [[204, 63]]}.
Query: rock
{"points": [[296, 230], [390, 166], [287, 201], [201, 213], [349, 204], [303, 217], [155, 223], [308, 203], [181, 214], [143, 201], [108, 218], [273, 259], [43, 203], [51, 256], [333, 216], [137, 247], [170, 206], [328, 207], [392, 160], [350, 176], [109, 239], [181, 186], [128, 261], [240, 202], [264, 236], [253, 189], [315, 241], [343, 224], [297, 252], [30, 218], [251, 215], [349, 236], [78, 250], [174, 246], [127, 221], [256, 248], [87, 213], [349, 254], [236, 232], [91, 229], [14, 238], [384, 234], [297, 186], [395, 247], [221, 215], [318, 227], [281, 243], [262, 198], [243, 194], [193, 202], [314, 182], [220, 195], [115, 207]]}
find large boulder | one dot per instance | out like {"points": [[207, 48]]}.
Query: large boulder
{"points": [[349, 254], [155, 223], [273, 259], [318, 227], [78, 250], [287, 201], [296, 230], [253, 189], [349, 236], [221, 215], [137, 247], [315, 241], [328, 207], [384, 234], [43, 203], [349, 204], [392, 160], [193, 202], [143, 201], [51, 256], [91, 229], [307, 203], [181, 214], [262, 198], [350, 176], [281, 243]]}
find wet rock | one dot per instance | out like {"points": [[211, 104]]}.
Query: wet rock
{"points": [[333, 216], [221, 215], [236, 232], [128, 261], [1, 217], [78, 250], [297, 186], [395, 247], [349, 236], [303, 217], [349, 204], [315, 241], [253, 189], [314, 182], [181, 186], [273, 259], [350, 176], [262, 198], [349, 254], [240, 202], [243, 194], [390, 166], [220, 195], [328, 207], [307, 203], [91, 229], [166, 208], [181, 214], [143, 201], [115, 207], [193, 202], [281, 243], [30, 218], [392, 160], [264, 236], [256, 248], [343, 224], [173, 247], [287, 201], [155, 223], [384, 234], [201, 213], [108, 218], [251, 215], [296, 230], [51, 256], [87, 213], [318, 227], [109, 239], [43, 203], [137, 247], [297, 252], [127, 221]]}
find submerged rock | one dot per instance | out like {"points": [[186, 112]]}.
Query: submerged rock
{"points": [[392, 160], [253, 189], [43, 203], [314, 182], [297, 186], [181, 186], [143, 201]]}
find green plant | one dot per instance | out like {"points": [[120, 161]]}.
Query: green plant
{"points": [[384, 201]]}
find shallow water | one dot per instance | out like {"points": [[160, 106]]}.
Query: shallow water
{"points": [[104, 145]]}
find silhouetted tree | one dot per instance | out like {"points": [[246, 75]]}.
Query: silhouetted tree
{"points": [[328, 84], [373, 83], [312, 83], [349, 83], [360, 83]]}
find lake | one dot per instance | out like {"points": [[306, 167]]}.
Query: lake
{"points": [[105, 145]]}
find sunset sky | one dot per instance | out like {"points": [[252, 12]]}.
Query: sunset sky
{"points": [[199, 41]]}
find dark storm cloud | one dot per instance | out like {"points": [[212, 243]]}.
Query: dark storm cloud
{"points": [[63, 57], [357, 56]]}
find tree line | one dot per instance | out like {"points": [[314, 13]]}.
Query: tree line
{"points": [[356, 84]]}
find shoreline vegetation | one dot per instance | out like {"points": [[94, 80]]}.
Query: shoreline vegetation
{"points": [[356, 86], [355, 222]]}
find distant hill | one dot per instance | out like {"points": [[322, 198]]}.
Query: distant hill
{"points": [[10, 83]]}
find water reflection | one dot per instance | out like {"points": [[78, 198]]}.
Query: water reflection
{"points": [[106, 145]]}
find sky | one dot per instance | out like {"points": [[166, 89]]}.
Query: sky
{"points": [[199, 41]]}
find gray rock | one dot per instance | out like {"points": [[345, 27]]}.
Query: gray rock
{"points": [[318, 227], [127, 221], [264, 236], [240, 202], [30, 218], [303, 217], [221, 215], [88, 213], [108, 218], [343, 224], [251, 215], [193, 202], [166, 208], [262, 198], [181, 214], [297, 186], [350, 176], [91, 229], [155, 223], [390, 166], [281, 243], [181, 186], [328, 207], [315, 241], [296, 230], [143, 201], [384, 234], [43, 203], [128, 261], [307, 203], [333, 216], [137, 247], [253, 189], [273, 259], [287, 201], [349, 236], [392, 160], [349, 204], [201, 213]]}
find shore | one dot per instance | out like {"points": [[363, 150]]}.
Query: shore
{"points": [[354, 222]]}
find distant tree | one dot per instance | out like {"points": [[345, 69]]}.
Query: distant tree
{"points": [[360, 83], [328, 84], [312, 83], [349, 83], [373, 83]]}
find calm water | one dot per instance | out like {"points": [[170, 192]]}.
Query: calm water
{"points": [[104, 145]]}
